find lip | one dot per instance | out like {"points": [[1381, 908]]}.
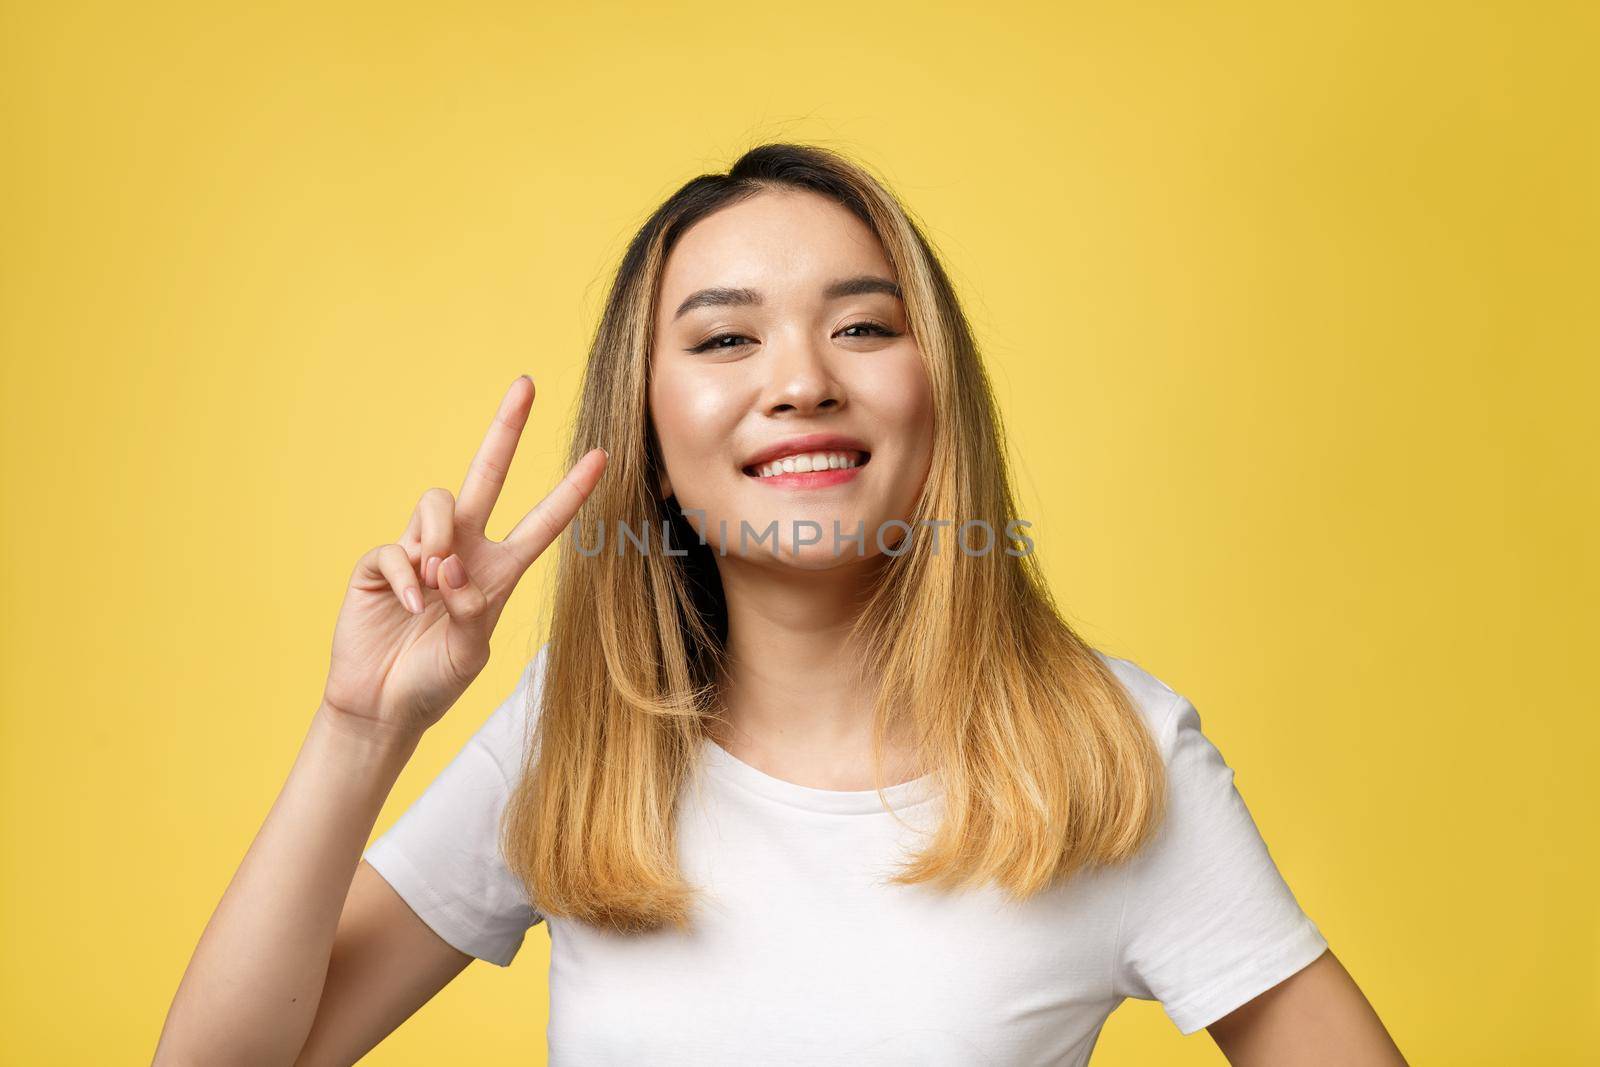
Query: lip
{"points": [[811, 442], [809, 479]]}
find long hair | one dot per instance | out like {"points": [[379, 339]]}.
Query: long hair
{"points": [[1043, 761]]}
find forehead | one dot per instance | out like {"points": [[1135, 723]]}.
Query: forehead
{"points": [[775, 240]]}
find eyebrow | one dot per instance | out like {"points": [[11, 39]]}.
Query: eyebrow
{"points": [[860, 285]]}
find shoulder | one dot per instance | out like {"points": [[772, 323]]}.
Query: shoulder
{"points": [[1157, 701], [1202, 801]]}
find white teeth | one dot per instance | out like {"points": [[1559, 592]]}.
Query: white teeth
{"points": [[808, 462]]}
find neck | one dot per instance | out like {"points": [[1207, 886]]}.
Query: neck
{"points": [[796, 701]]}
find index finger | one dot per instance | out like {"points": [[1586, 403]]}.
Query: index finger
{"points": [[486, 476]]}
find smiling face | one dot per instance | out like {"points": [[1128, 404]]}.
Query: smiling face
{"points": [[785, 385]]}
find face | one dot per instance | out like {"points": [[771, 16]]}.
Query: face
{"points": [[785, 385]]}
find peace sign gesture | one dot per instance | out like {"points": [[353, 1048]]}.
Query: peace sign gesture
{"points": [[414, 628]]}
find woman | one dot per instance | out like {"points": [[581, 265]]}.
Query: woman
{"points": [[795, 780]]}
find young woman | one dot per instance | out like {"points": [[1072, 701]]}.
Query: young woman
{"points": [[810, 770]]}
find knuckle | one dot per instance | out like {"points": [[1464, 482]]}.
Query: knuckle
{"points": [[438, 495], [497, 470], [549, 529], [467, 607], [390, 559]]}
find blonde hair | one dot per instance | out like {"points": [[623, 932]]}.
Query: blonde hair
{"points": [[1043, 761]]}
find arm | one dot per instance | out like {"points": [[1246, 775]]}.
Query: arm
{"points": [[386, 964], [1318, 1016], [310, 957], [261, 975]]}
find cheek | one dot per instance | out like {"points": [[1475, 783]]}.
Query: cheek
{"points": [[691, 413], [901, 399]]}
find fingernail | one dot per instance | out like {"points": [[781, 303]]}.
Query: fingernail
{"points": [[453, 572], [414, 601], [430, 572], [608, 455]]}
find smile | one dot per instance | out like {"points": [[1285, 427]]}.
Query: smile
{"points": [[809, 470], [808, 463]]}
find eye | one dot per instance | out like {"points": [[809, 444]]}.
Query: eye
{"points": [[718, 342], [873, 330]]}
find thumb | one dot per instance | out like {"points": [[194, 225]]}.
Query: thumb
{"points": [[467, 636]]}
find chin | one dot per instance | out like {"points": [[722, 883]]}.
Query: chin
{"points": [[821, 558]]}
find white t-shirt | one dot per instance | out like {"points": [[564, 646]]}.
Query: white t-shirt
{"points": [[800, 955]]}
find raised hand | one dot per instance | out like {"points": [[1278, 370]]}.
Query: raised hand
{"points": [[414, 628]]}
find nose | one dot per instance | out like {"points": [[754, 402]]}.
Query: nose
{"points": [[800, 381]]}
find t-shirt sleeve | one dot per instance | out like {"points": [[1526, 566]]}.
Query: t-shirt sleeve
{"points": [[443, 853], [1208, 921]]}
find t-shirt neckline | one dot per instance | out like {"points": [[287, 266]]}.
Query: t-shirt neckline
{"points": [[901, 795]]}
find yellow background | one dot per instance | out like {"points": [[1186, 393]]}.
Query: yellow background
{"points": [[1289, 308]]}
